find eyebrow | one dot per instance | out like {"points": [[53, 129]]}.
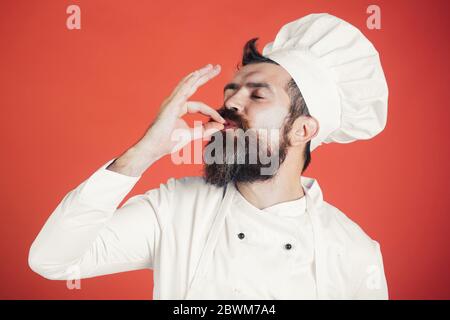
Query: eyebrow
{"points": [[234, 86]]}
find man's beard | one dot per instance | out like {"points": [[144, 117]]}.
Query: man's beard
{"points": [[230, 168]]}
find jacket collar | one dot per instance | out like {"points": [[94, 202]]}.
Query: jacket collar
{"points": [[312, 191], [311, 187]]}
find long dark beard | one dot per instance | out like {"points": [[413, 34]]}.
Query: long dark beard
{"points": [[226, 171], [222, 173]]}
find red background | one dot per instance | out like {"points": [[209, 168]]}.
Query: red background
{"points": [[72, 100]]}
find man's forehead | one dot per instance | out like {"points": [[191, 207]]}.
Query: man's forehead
{"points": [[262, 72]]}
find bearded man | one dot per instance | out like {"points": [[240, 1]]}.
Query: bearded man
{"points": [[249, 228]]}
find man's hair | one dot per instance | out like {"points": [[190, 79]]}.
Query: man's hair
{"points": [[298, 105]]}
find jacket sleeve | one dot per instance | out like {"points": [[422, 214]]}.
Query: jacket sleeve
{"points": [[87, 235], [373, 285]]}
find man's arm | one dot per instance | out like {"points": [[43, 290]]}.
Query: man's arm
{"points": [[373, 285], [87, 235]]}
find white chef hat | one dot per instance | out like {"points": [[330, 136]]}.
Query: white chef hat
{"points": [[339, 74]]}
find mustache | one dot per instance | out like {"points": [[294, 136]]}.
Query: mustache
{"points": [[233, 116]]}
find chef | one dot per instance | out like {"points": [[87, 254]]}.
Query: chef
{"points": [[237, 233]]}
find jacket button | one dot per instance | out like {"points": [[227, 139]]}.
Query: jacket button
{"points": [[288, 246], [241, 235]]}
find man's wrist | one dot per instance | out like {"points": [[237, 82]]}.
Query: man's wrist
{"points": [[134, 162]]}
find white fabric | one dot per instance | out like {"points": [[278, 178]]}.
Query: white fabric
{"points": [[174, 230], [258, 266], [339, 74]]}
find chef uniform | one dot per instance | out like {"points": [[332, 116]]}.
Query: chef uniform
{"points": [[207, 242], [268, 253]]}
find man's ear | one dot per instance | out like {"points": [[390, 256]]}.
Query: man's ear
{"points": [[303, 130]]}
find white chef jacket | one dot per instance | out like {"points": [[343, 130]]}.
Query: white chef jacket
{"points": [[176, 230], [263, 254]]}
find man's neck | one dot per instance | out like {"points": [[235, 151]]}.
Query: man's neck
{"points": [[284, 186]]}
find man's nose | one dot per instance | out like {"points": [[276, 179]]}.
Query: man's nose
{"points": [[233, 104]]}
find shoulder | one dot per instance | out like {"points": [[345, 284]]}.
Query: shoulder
{"points": [[362, 254], [190, 184], [185, 203], [348, 232], [185, 188]]}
